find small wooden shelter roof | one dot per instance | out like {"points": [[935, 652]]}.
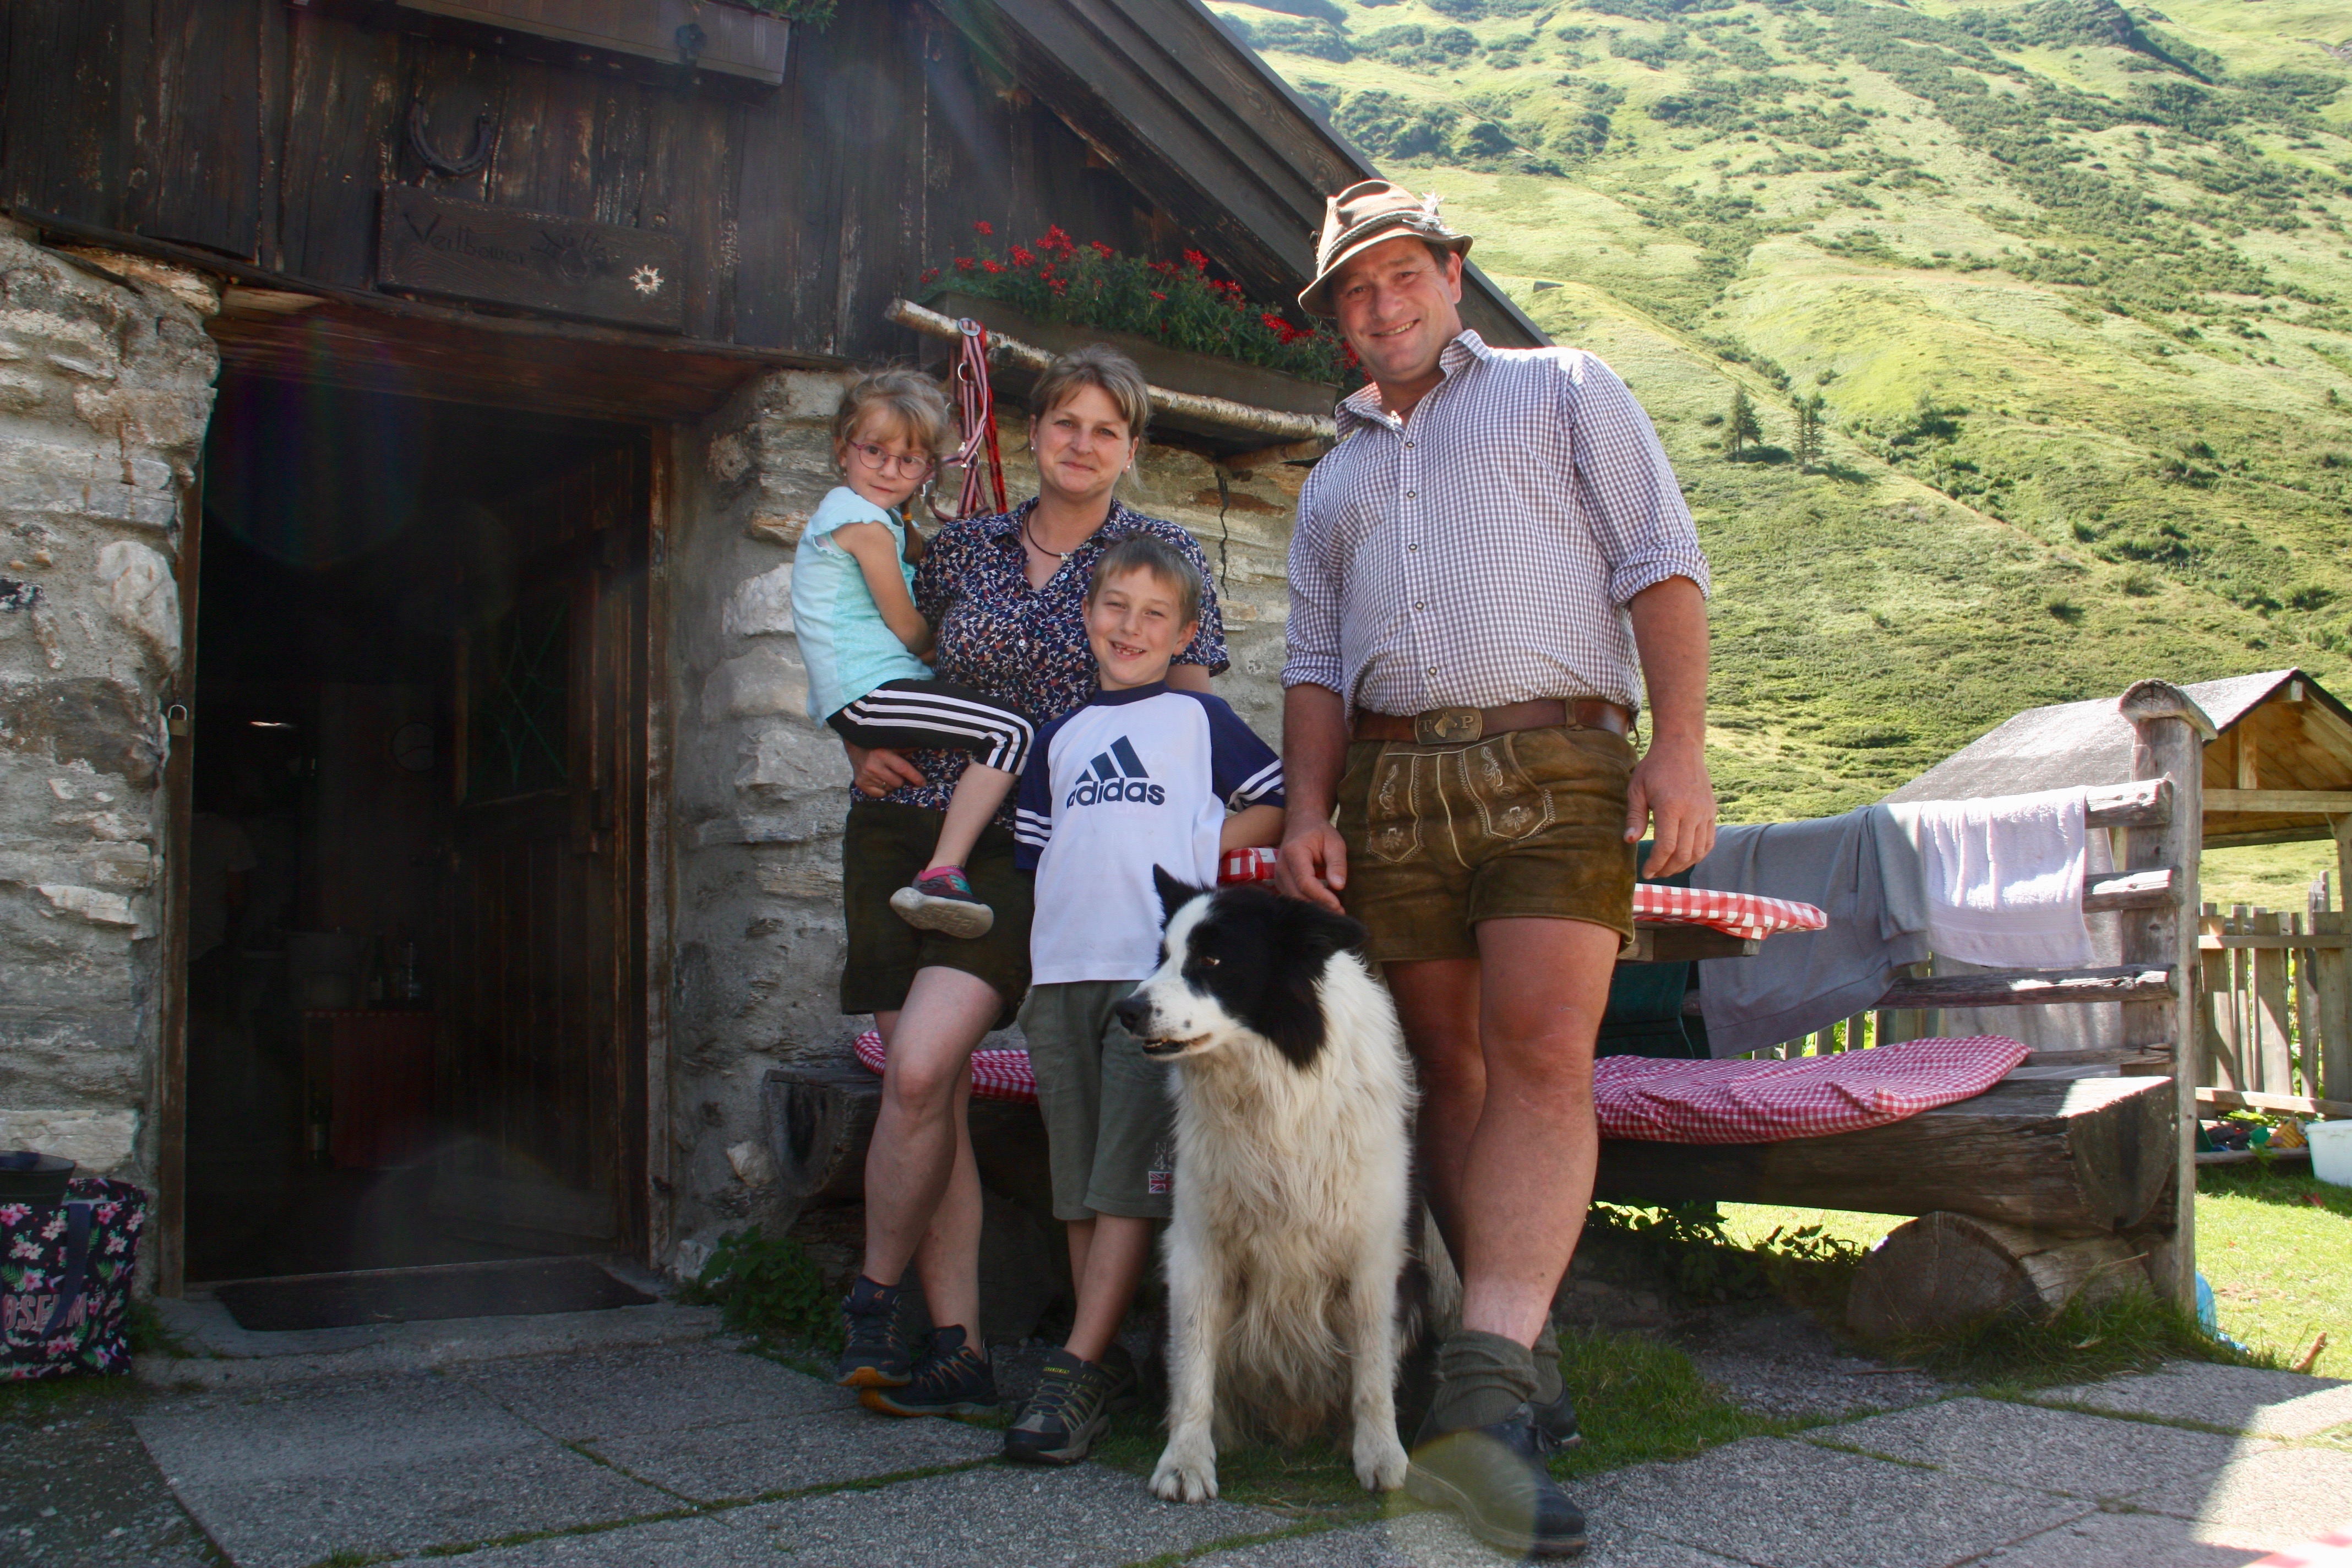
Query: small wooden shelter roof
{"points": [[2278, 770]]}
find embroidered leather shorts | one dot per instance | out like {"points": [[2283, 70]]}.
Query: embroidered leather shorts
{"points": [[1531, 823]]}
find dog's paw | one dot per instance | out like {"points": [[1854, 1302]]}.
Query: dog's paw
{"points": [[1183, 1476], [1379, 1463]]}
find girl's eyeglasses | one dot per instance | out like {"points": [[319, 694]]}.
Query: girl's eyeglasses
{"points": [[911, 467]]}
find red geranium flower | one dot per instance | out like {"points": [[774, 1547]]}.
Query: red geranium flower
{"points": [[932, 275], [965, 264], [1056, 238], [984, 226], [1022, 256], [1099, 249], [1157, 295], [1198, 262], [1058, 285], [993, 266]]}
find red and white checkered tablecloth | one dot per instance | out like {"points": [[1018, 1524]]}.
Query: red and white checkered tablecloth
{"points": [[1739, 914], [1661, 1101], [995, 1075]]}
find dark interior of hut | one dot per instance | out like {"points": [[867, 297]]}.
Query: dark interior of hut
{"points": [[412, 964]]}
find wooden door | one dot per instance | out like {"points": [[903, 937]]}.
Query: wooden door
{"points": [[541, 1072]]}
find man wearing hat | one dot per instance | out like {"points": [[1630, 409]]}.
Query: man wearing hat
{"points": [[1488, 570]]}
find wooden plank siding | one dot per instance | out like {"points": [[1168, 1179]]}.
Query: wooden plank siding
{"points": [[266, 132]]}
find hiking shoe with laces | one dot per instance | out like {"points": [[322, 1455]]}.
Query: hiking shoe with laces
{"points": [[952, 1379], [1555, 1422], [876, 1354], [943, 900], [1065, 1417], [1493, 1477]]}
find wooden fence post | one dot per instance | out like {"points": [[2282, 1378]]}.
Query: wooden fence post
{"points": [[2169, 733], [2273, 1061]]}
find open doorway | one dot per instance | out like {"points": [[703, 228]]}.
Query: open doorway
{"points": [[416, 932]]}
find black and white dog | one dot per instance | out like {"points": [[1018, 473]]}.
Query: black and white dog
{"points": [[1294, 1105]]}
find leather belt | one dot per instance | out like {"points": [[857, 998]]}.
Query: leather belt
{"points": [[1459, 726]]}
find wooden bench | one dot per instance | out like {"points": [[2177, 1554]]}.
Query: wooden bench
{"points": [[2025, 1195]]}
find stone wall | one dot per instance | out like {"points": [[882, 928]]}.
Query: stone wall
{"points": [[761, 790], [105, 387]]}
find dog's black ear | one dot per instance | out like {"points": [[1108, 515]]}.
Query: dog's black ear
{"points": [[1311, 933], [1304, 936], [1174, 895]]}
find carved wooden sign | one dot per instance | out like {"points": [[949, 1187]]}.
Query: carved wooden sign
{"points": [[598, 270]]}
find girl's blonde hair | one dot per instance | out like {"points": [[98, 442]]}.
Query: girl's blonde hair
{"points": [[909, 399]]}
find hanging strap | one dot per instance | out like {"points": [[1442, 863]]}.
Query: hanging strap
{"points": [[78, 1218], [976, 411]]}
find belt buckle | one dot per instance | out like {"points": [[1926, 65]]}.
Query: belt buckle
{"points": [[1448, 726]]}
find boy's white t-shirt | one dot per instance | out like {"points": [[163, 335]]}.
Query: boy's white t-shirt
{"points": [[1133, 779]]}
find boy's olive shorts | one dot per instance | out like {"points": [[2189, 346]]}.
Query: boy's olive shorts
{"points": [[1109, 1127], [1530, 823]]}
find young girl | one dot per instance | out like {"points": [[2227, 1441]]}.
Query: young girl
{"points": [[853, 613]]}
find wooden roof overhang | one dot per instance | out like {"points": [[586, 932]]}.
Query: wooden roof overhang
{"points": [[1190, 114], [2278, 770]]}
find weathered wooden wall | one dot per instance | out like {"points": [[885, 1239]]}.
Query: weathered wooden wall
{"points": [[265, 131]]}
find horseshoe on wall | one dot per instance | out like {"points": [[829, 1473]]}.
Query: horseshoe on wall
{"points": [[420, 137]]}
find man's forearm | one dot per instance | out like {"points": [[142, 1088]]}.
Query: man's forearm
{"points": [[1670, 630], [1314, 751]]}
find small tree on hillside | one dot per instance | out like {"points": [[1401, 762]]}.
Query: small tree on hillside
{"points": [[1809, 431], [1739, 426]]}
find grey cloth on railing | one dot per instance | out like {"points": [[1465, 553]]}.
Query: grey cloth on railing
{"points": [[1862, 872]]}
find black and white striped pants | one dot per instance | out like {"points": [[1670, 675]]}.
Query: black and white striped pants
{"points": [[909, 715]]}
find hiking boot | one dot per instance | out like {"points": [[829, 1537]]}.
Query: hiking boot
{"points": [[952, 1379], [875, 1355], [1555, 1423], [1493, 1477], [942, 900], [1065, 1417]]}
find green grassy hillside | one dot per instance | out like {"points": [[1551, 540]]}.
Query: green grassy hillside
{"points": [[2072, 282]]}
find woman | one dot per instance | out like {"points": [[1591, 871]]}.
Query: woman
{"points": [[1006, 595]]}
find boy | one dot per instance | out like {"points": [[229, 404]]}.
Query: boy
{"points": [[1140, 776]]}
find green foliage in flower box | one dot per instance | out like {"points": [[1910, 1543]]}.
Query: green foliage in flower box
{"points": [[1179, 303]]}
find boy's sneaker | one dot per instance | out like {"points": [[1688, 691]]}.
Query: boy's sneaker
{"points": [[942, 900], [1493, 1477], [875, 1355], [1065, 1418], [952, 1379]]}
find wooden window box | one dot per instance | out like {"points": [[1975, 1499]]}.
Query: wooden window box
{"points": [[735, 42]]}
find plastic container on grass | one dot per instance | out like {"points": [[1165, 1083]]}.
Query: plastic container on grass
{"points": [[2331, 1151]]}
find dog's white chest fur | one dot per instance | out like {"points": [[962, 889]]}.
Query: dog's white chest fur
{"points": [[1292, 1188]]}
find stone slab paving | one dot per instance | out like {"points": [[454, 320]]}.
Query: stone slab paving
{"points": [[998, 1516], [747, 1459], [2118, 1541], [1781, 1503], [1436, 1540], [632, 1392], [2269, 1497], [78, 1490], [2231, 1398], [705, 1542], [2042, 1449]]}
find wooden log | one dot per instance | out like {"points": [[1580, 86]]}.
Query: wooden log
{"points": [[1947, 1271], [2279, 802], [2332, 973], [1220, 411], [2032, 987], [2145, 803], [2072, 1157], [2307, 1002], [2169, 733], [820, 1119], [2295, 1104], [2155, 890]]}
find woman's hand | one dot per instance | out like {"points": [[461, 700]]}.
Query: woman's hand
{"points": [[881, 771]]}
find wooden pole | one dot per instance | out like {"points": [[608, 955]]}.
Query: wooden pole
{"points": [[2275, 1064], [2169, 733], [1275, 422]]}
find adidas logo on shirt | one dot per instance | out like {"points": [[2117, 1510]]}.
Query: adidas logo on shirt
{"points": [[1114, 775]]}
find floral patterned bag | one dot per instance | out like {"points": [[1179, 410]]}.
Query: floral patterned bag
{"points": [[65, 1279]]}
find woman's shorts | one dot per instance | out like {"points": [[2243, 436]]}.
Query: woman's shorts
{"points": [[885, 846], [1530, 823]]}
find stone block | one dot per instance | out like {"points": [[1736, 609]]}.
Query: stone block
{"points": [[99, 1142], [635, 1393], [786, 762], [2264, 1497], [747, 1459], [2119, 1541], [767, 682], [2250, 1400], [761, 606]]}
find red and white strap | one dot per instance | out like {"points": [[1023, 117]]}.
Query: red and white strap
{"points": [[976, 412]]}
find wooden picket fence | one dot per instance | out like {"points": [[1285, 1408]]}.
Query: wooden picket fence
{"points": [[2274, 1004]]}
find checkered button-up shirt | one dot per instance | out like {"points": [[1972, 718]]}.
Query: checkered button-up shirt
{"points": [[1482, 551]]}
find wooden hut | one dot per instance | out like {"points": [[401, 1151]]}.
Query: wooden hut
{"points": [[410, 406]]}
